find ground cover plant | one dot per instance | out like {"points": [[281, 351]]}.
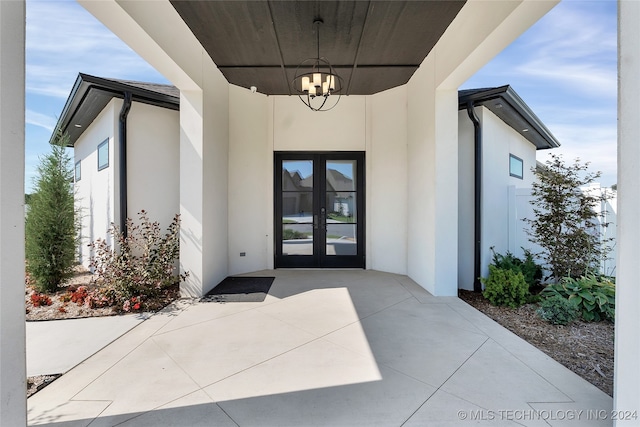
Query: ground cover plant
{"points": [[557, 310], [593, 297]]}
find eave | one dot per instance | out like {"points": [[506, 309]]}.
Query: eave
{"points": [[505, 103], [90, 95]]}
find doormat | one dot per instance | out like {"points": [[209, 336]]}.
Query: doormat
{"points": [[240, 289]]}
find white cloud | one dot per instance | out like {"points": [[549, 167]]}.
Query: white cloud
{"points": [[591, 143], [63, 39], [574, 45], [565, 69], [42, 120]]}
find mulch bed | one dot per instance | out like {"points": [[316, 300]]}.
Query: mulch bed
{"points": [[59, 309], [37, 383], [584, 347]]}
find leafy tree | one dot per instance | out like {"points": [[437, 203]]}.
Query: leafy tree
{"points": [[51, 224], [566, 222]]}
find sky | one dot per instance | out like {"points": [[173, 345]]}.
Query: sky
{"points": [[564, 67]]}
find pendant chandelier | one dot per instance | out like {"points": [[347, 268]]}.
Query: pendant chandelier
{"points": [[316, 82]]}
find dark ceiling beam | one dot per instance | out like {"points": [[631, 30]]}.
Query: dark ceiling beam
{"points": [[281, 57], [292, 67], [355, 58]]}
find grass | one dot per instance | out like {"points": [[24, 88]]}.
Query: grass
{"points": [[341, 218]]}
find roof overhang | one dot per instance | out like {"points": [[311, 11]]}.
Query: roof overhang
{"points": [[90, 95], [373, 45], [505, 103]]}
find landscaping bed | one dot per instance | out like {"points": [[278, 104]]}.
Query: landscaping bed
{"points": [[61, 307], [586, 348]]}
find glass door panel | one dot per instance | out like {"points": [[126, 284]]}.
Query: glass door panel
{"points": [[297, 207], [340, 190], [319, 198]]}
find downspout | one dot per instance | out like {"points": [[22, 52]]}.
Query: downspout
{"points": [[477, 226], [124, 112]]}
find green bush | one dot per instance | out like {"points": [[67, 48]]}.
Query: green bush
{"points": [[142, 265], [594, 297], [505, 287], [289, 234], [557, 310], [531, 271], [51, 228]]}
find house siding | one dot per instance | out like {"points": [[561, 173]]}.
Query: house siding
{"points": [[152, 168], [499, 190], [95, 191], [153, 150]]}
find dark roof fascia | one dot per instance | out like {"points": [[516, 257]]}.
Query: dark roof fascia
{"points": [[87, 86], [509, 96]]}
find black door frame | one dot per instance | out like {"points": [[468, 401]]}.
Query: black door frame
{"points": [[319, 259]]}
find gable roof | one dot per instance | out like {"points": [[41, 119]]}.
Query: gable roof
{"points": [[505, 103], [90, 94]]}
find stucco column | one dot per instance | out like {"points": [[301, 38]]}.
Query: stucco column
{"points": [[191, 190], [433, 184], [13, 401], [204, 154], [627, 347]]}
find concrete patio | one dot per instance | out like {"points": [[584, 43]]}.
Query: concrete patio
{"points": [[334, 348]]}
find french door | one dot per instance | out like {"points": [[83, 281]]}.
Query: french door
{"points": [[319, 210]]}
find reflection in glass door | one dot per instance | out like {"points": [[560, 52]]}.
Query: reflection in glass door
{"points": [[319, 204], [297, 207]]}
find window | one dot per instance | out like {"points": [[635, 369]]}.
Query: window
{"points": [[103, 155], [516, 166], [78, 171]]}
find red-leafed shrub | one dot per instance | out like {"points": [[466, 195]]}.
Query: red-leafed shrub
{"points": [[142, 267], [40, 299]]}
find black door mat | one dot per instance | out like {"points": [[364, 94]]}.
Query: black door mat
{"points": [[240, 289]]}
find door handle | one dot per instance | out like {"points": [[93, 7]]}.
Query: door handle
{"points": [[323, 218]]}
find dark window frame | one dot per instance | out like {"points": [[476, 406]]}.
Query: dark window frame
{"points": [[102, 144], [513, 174]]}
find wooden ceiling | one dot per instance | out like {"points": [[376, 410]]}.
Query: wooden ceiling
{"points": [[373, 45]]}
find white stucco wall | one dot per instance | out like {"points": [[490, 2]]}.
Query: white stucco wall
{"points": [[432, 218], [215, 177], [297, 128], [95, 192], [500, 140], [153, 149], [250, 182], [374, 124], [466, 156], [498, 190], [387, 181], [152, 170]]}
